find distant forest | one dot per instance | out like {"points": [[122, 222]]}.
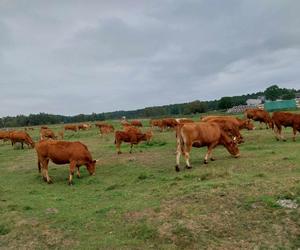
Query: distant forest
{"points": [[271, 93]]}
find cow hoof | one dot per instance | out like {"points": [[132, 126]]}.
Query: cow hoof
{"points": [[78, 176], [205, 161], [177, 168], [119, 153], [70, 183], [188, 167], [212, 159], [50, 182], [283, 139]]}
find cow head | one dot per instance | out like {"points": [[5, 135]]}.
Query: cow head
{"points": [[91, 167], [249, 125], [233, 149]]}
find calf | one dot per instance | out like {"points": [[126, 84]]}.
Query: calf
{"points": [[71, 127], [47, 134], [131, 137], [136, 123], [199, 135], [63, 152]]}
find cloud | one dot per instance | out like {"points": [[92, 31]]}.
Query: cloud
{"points": [[70, 57]]}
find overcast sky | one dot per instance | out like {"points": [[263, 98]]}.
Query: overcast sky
{"points": [[71, 57]]}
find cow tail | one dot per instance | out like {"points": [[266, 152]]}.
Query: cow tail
{"points": [[180, 141]]}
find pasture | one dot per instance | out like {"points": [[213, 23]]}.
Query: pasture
{"points": [[138, 201]]}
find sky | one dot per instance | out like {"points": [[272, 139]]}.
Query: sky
{"points": [[70, 57]]}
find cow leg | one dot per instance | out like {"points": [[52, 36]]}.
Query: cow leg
{"points": [[118, 147], [260, 125], [72, 170], [22, 145], [45, 174], [294, 133], [178, 154], [131, 145], [78, 172], [187, 156], [209, 153], [39, 165], [277, 131]]}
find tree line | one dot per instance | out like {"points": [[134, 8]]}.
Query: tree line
{"points": [[271, 93]]}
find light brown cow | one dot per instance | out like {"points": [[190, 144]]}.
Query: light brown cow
{"points": [[47, 134], [202, 134], [130, 137], [285, 119], [231, 125], [4, 135], [22, 137], [156, 123], [84, 126], [71, 127], [259, 115], [169, 123], [63, 152], [105, 128], [136, 123]]}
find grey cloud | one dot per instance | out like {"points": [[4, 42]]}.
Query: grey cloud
{"points": [[70, 57]]}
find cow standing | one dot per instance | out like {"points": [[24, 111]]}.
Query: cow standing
{"points": [[63, 152], [261, 116], [199, 135], [287, 120]]}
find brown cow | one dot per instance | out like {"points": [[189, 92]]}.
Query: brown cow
{"points": [[287, 120], [47, 134], [136, 123], [259, 115], [156, 123], [184, 120], [71, 127], [63, 152], [231, 125], [22, 137], [131, 137], [84, 126], [169, 123], [105, 128], [202, 134], [4, 135]]}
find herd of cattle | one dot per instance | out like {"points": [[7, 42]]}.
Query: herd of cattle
{"points": [[211, 131]]}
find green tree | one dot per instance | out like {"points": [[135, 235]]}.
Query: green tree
{"points": [[225, 102], [273, 92]]}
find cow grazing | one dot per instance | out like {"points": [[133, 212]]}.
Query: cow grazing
{"points": [[84, 126], [105, 128], [71, 127], [259, 115], [4, 135], [184, 120], [202, 134], [231, 125], [131, 137], [136, 123], [169, 123], [63, 152], [285, 119], [21, 137], [47, 134], [156, 123]]}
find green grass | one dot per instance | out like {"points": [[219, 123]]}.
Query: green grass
{"points": [[138, 201]]}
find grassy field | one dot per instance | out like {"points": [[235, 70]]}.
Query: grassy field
{"points": [[138, 201]]}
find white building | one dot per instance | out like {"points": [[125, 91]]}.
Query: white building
{"points": [[253, 102]]}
